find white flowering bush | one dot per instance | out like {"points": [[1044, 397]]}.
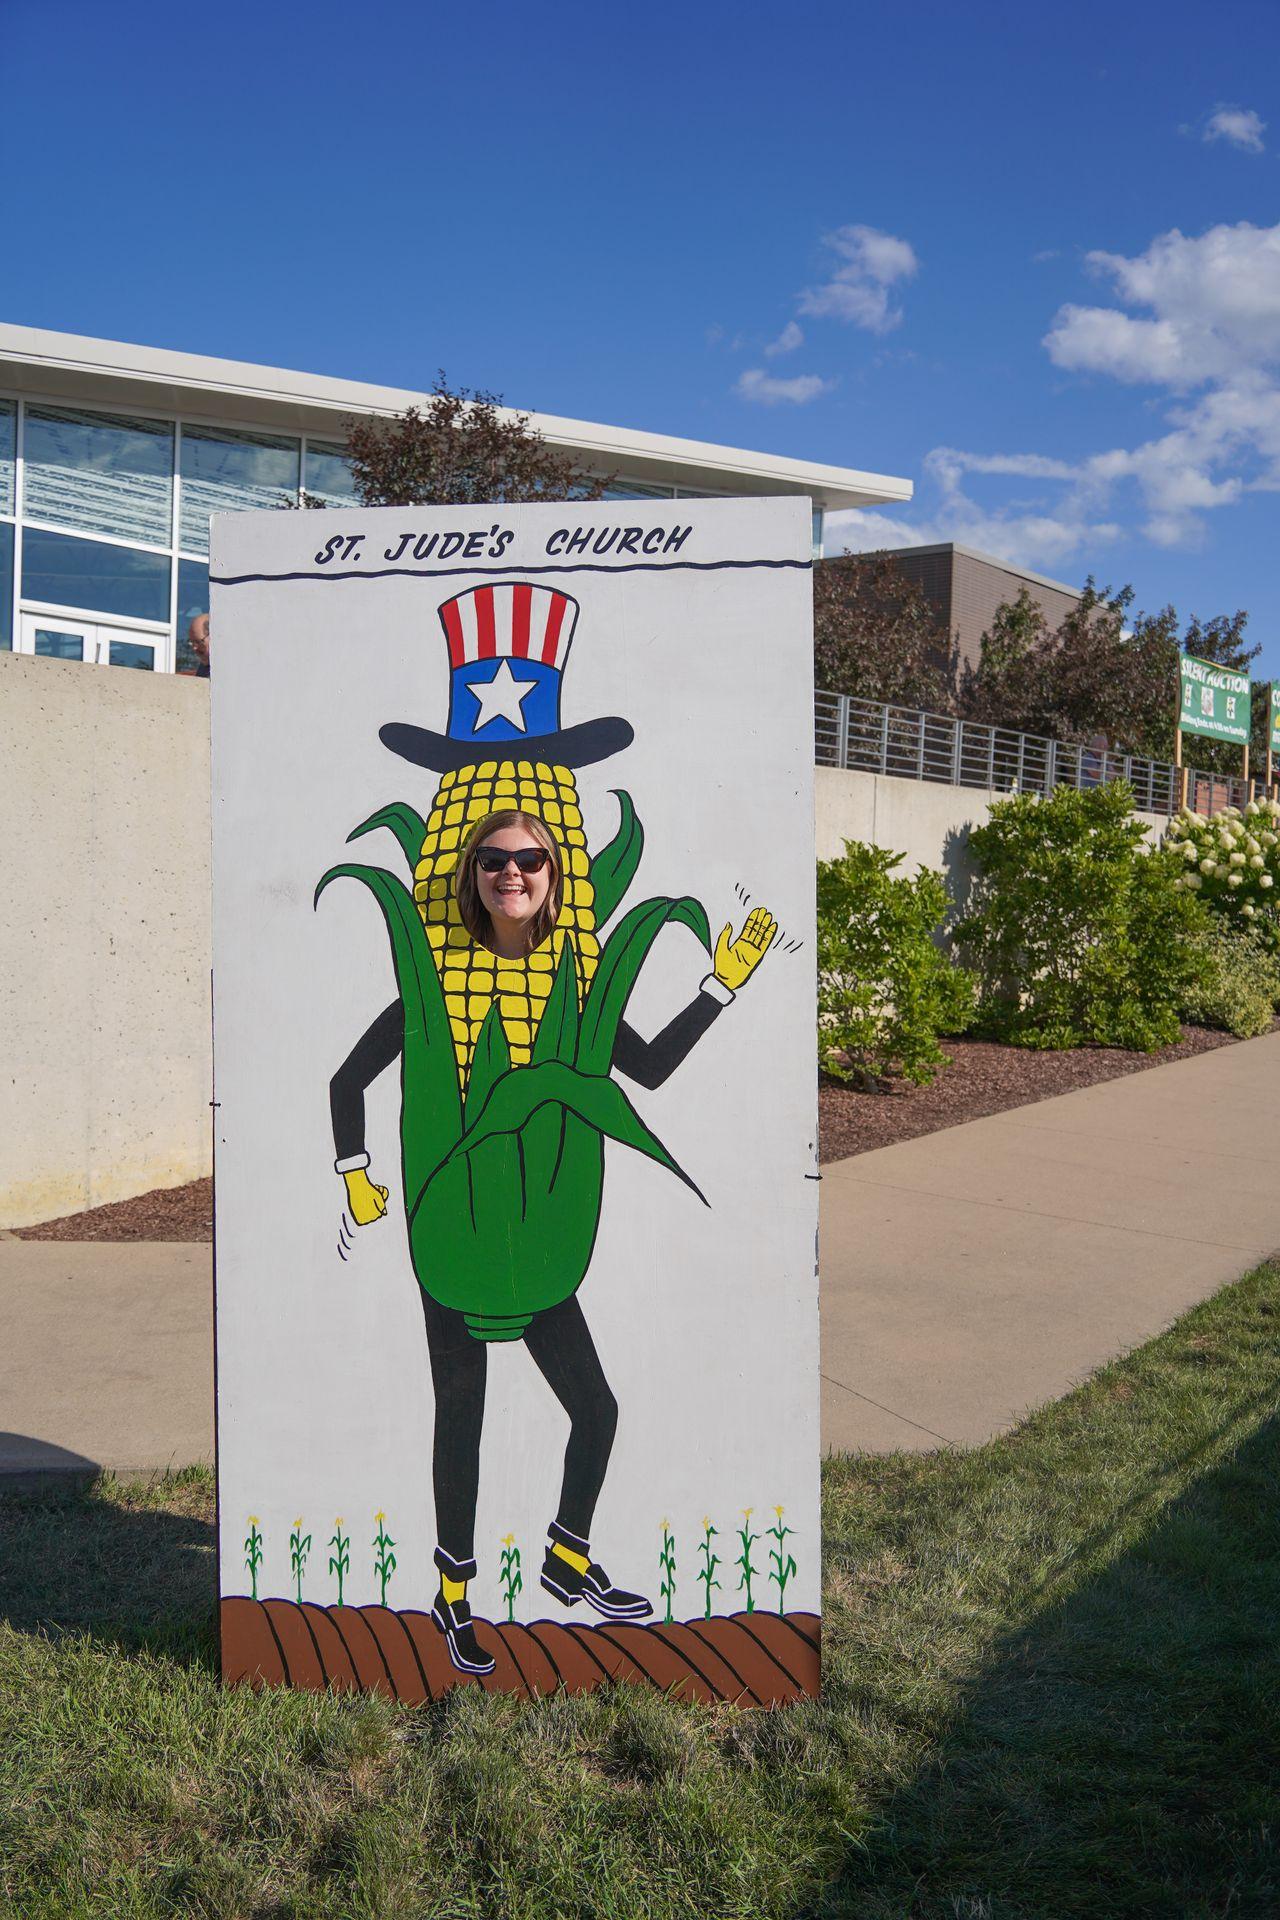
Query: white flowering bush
{"points": [[1232, 861]]}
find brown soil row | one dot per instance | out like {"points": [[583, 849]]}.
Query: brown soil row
{"points": [[754, 1659]]}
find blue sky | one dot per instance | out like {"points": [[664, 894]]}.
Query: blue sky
{"points": [[1028, 258]]}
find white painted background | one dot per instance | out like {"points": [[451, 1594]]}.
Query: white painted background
{"points": [[705, 1319]]}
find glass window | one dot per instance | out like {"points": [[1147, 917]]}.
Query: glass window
{"points": [[90, 574], [193, 598], [328, 476], [225, 471], [8, 450], [100, 473], [52, 645], [638, 490], [131, 653], [6, 586], [817, 532]]}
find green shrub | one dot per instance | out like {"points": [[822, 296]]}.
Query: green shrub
{"points": [[1077, 933], [885, 988], [1232, 860], [1240, 986]]}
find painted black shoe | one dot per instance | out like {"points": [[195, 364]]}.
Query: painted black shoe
{"points": [[594, 1586], [454, 1621]]}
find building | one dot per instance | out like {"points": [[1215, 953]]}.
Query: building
{"points": [[112, 458], [966, 587]]}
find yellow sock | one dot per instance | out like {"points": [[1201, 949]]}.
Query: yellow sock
{"points": [[577, 1560], [453, 1590]]}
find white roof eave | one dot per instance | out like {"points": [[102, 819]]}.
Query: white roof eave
{"points": [[69, 365]]}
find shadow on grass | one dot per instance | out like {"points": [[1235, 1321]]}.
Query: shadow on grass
{"points": [[1118, 1755], [126, 1573]]}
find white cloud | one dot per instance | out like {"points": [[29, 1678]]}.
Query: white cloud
{"points": [[755, 384], [1239, 126], [1041, 542], [787, 341], [858, 289], [1208, 333], [1215, 302]]}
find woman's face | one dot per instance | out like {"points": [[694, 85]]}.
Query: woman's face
{"points": [[512, 898]]}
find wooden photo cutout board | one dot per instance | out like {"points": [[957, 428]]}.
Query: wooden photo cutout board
{"points": [[517, 1319]]}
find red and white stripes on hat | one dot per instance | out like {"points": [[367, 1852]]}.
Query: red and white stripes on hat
{"points": [[511, 620]]}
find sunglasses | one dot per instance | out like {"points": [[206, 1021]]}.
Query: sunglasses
{"points": [[528, 859]]}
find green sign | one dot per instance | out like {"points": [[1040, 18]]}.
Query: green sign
{"points": [[1275, 718], [1215, 701]]}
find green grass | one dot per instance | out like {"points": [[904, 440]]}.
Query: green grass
{"points": [[1052, 1675]]}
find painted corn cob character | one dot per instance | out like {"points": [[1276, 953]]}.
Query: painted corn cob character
{"points": [[506, 1069], [472, 975]]}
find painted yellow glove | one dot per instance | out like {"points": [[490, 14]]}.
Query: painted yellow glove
{"points": [[366, 1201], [736, 960]]}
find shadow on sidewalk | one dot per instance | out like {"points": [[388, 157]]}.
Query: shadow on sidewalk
{"points": [[129, 1575], [1119, 1753]]}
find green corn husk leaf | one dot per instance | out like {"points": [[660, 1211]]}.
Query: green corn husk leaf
{"points": [[431, 1120], [508, 1228], [408, 827], [600, 1102], [491, 1059], [619, 965], [543, 1140], [614, 867], [557, 1035]]}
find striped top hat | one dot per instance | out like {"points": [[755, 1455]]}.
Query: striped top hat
{"points": [[508, 645]]}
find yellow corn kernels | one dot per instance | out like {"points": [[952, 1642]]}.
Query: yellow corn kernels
{"points": [[472, 976]]}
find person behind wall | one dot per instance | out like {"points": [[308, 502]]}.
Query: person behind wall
{"points": [[198, 644]]}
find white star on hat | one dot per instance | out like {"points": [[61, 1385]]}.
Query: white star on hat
{"points": [[501, 698]]}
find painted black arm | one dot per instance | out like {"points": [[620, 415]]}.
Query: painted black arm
{"points": [[650, 1062], [371, 1055]]}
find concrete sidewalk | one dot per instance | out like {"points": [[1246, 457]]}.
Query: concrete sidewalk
{"points": [[106, 1358], [966, 1277], [969, 1276]]}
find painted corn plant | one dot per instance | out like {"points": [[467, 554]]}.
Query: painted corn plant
{"points": [[384, 1560], [340, 1558], [253, 1554], [530, 1137], [781, 1564], [710, 1561], [510, 1575], [299, 1550], [667, 1565], [746, 1568]]}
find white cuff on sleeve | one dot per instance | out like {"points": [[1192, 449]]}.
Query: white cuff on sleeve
{"points": [[717, 990], [353, 1165]]}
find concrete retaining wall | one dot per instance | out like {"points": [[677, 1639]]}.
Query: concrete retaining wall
{"points": [[105, 930], [929, 823], [104, 935]]}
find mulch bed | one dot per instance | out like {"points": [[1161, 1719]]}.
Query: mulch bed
{"points": [[982, 1078], [170, 1213]]}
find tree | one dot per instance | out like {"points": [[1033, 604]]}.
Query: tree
{"points": [[1101, 672], [461, 449], [876, 635]]}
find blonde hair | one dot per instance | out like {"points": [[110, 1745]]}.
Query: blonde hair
{"points": [[471, 909]]}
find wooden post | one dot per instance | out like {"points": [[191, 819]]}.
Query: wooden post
{"points": [[1177, 761]]}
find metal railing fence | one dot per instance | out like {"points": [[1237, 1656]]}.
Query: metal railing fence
{"points": [[867, 736]]}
